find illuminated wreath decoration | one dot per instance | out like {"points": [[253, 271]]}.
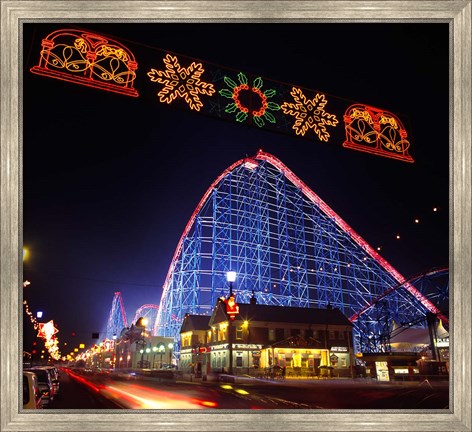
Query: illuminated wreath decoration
{"points": [[235, 93]]}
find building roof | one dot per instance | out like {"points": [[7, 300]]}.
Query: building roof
{"points": [[195, 322], [286, 314]]}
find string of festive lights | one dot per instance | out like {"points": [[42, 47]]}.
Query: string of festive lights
{"points": [[94, 60], [46, 331]]}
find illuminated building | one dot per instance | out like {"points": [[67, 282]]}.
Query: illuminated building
{"points": [[306, 341]]}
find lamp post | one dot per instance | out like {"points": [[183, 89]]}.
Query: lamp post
{"points": [[230, 277], [246, 337], [162, 349], [154, 350], [348, 333], [148, 350], [170, 345], [142, 357], [141, 324]]}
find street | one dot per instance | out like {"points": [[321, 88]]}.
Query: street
{"points": [[81, 390]]}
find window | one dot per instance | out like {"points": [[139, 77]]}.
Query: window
{"points": [[332, 335], [239, 333], [222, 333], [340, 335], [279, 334], [239, 361], [271, 334]]}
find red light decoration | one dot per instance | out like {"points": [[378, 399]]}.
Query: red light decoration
{"points": [[376, 131], [47, 330], [263, 105], [88, 59], [232, 308], [181, 82], [309, 114]]}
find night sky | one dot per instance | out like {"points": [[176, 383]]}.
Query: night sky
{"points": [[110, 181]]}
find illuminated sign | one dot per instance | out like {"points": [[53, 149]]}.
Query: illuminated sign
{"points": [[219, 347], [443, 343], [382, 371], [339, 349], [248, 346]]}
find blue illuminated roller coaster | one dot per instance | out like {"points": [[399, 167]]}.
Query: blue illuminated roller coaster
{"points": [[287, 246]]}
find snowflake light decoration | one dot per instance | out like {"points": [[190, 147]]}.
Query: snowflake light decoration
{"points": [[309, 114], [181, 82], [236, 92]]}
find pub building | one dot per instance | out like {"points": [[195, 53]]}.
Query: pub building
{"points": [[249, 339]]}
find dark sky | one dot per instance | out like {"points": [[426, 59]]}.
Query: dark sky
{"points": [[110, 181]]}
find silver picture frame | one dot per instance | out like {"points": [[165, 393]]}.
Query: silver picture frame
{"points": [[456, 13]]}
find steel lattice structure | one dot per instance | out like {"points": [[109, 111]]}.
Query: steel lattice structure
{"points": [[285, 243], [148, 311], [117, 319], [395, 309]]}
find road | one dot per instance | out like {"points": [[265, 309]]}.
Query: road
{"points": [[74, 394], [88, 390]]}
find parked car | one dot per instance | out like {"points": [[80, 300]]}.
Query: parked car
{"points": [[45, 385], [54, 377], [32, 397]]}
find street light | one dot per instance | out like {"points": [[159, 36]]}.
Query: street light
{"points": [[230, 277], [154, 350], [142, 357], [162, 349]]}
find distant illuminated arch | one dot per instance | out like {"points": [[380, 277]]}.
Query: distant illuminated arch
{"points": [[260, 220]]}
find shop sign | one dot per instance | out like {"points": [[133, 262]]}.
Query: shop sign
{"points": [[443, 343], [247, 346], [219, 347], [339, 349], [382, 371]]}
